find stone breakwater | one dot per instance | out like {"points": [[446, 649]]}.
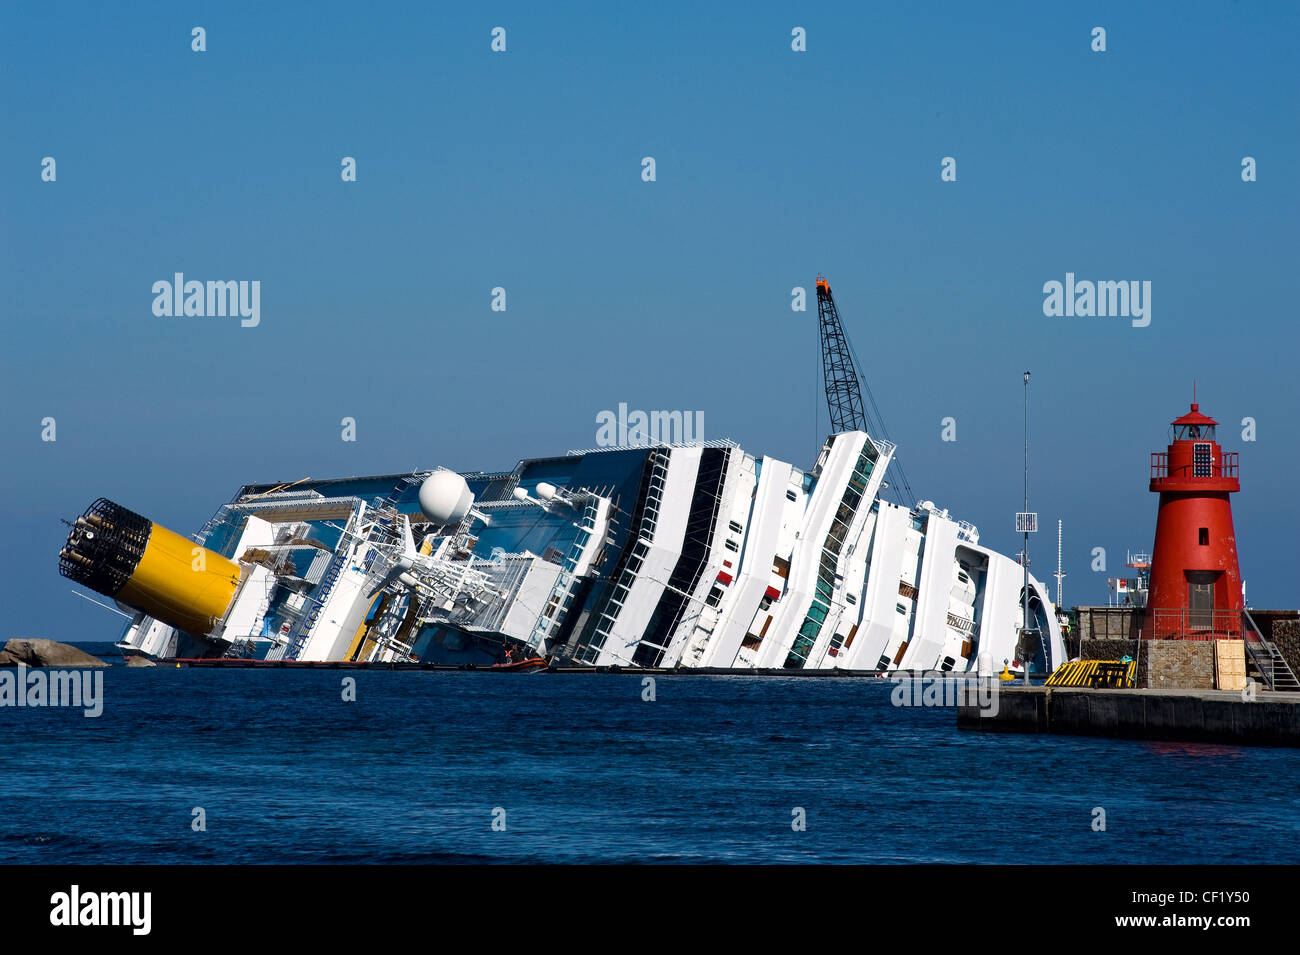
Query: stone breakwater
{"points": [[1210, 716]]}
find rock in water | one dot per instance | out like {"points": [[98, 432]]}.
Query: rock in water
{"points": [[135, 660], [46, 653]]}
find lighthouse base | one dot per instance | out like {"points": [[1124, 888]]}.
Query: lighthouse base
{"points": [[1177, 664], [1195, 664]]}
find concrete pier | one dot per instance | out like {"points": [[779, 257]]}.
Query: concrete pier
{"points": [[1211, 716]]}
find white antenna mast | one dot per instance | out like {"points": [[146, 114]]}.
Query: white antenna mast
{"points": [[1060, 575]]}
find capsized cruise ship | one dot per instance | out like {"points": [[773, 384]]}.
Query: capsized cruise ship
{"points": [[685, 555], [674, 555]]}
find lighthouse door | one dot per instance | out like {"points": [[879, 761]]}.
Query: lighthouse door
{"points": [[1200, 605]]}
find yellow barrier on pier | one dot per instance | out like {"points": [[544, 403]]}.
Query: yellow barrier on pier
{"points": [[1094, 673]]}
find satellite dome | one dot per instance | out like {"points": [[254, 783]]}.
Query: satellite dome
{"points": [[445, 498]]}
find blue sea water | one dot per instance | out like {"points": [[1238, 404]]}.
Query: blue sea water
{"points": [[587, 771]]}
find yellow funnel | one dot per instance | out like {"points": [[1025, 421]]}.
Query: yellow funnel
{"points": [[122, 555]]}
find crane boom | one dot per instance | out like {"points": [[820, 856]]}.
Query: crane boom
{"points": [[843, 387]]}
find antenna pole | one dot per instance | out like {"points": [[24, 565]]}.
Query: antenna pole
{"points": [[1024, 555], [1059, 573]]}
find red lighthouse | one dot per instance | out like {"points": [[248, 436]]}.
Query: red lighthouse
{"points": [[1195, 588]]}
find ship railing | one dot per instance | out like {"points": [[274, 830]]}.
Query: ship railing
{"points": [[884, 446], [710, 443], [218, 517], [560, 594]]}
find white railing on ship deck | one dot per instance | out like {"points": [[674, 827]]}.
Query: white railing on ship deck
{"points": [[711, 443]]}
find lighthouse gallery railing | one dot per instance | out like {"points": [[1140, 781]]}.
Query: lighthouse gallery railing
{"points": [[1225, 467]]}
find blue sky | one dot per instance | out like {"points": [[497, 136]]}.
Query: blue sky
{"points": [[523, 170]]}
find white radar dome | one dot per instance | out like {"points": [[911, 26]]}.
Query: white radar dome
{"points": [[445, 498]]}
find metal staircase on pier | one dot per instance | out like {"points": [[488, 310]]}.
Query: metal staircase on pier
{"points": [[1271, 666]]}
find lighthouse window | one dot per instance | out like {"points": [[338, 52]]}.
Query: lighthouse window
{"points": [[1202, 463], [1194, 432], [1204, 538]]}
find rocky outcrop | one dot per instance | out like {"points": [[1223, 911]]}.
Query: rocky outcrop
{"points": [[46, 653], [135, 660]]}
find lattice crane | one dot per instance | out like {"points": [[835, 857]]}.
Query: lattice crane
{"points": [[845, 387]]}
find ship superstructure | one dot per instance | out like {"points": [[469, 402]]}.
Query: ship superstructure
{"points": [[673, 555]]}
